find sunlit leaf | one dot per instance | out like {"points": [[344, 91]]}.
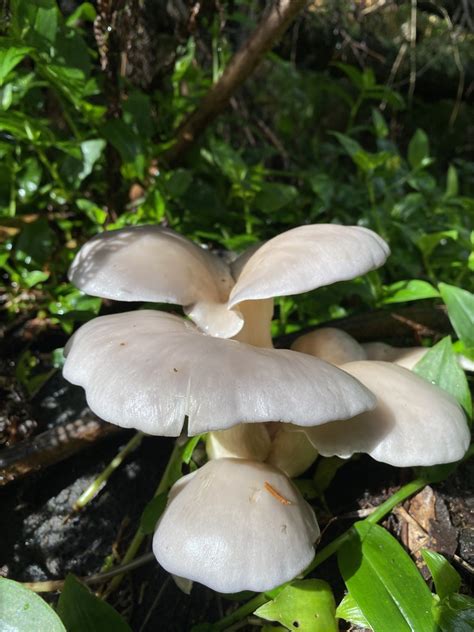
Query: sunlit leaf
{"points": [[460, 304], [439, 366], [384, 582], [9, 58], [21, 610], [350, 611], [306, 606], [404, 291], [446, 579]]}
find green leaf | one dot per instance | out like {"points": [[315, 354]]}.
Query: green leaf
{"points": [[21, 610], [384, 582], [9, 58], [350, 611], [306, 605], [404, 291], [152, 513], [35, 243], [452, 184], [189, 448], [439, 366], [455, 614], [446, 579], [380, 126], [93, 212], [351, 146], [85, 11], [428, 242], [460, 304], [273, 196], [80, 610], [30, 279], [418, 150]]}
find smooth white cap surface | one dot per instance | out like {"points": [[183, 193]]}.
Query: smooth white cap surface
{"points": [[149, 369], [224, 528], [306, 258], [414, 423]]}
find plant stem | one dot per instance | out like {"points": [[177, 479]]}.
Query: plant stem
{"points": [[96, 485], [165, 483], [382, 510]]}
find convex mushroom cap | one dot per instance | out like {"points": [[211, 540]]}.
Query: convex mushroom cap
{"points": [[414, 422], [149, 370], [150, 263], [236, 525]]}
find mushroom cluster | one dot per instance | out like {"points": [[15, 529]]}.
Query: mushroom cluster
{"points": [[238, 523]]}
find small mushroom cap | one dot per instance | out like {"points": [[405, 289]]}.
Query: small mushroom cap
{"points": [[306, 258], [331, 345], [414, 423], [149, 369], [236, 525], [151, 263]]}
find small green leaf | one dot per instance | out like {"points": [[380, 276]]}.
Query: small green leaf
{"points": [[273, 196], [351, 146], [460, 304], [446, 579], [190, 447], [152, 513], [384, 582], [21, 610], [81, 610], [428, 242], [350, 611], [306, 605], [9, 58], [418, 150], [455, 614], [439, 366], [404, 291], [452, 185], [380, 125]]}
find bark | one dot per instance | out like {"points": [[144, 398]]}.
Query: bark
{"points": [[272, 26]]}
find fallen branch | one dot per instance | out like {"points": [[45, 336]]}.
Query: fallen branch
{"points": [[272, 26], [51, 446]]}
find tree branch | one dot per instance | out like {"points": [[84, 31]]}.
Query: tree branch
{"points": [[271, 28]]}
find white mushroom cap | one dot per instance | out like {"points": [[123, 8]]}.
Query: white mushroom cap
{"points": [[149, 369], [331, 345], [150, 263], [236, 525], [414, 423], [306, 258], [283, 445]]}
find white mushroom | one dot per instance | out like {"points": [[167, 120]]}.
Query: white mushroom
{"points": [[149, 263], [236, 525], [285, 446], [403, 356], [149, 370], [331, 345], [414, 423]]}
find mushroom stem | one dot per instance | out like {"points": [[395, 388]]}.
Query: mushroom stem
{"points": [[257, 317]]}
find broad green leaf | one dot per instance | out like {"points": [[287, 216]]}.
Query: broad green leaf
{"points": [[93, 212], [35, 243], [9, 58], [428, 242], [30, 279], [460, 304], [152, 513], [351, 146], [85, 11], [439, 366], [418, 149], [446, 579], [384, 582], [350, 611], [306, 605], [413, 290], [21, 610], [80, 610], [455, 613]]}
